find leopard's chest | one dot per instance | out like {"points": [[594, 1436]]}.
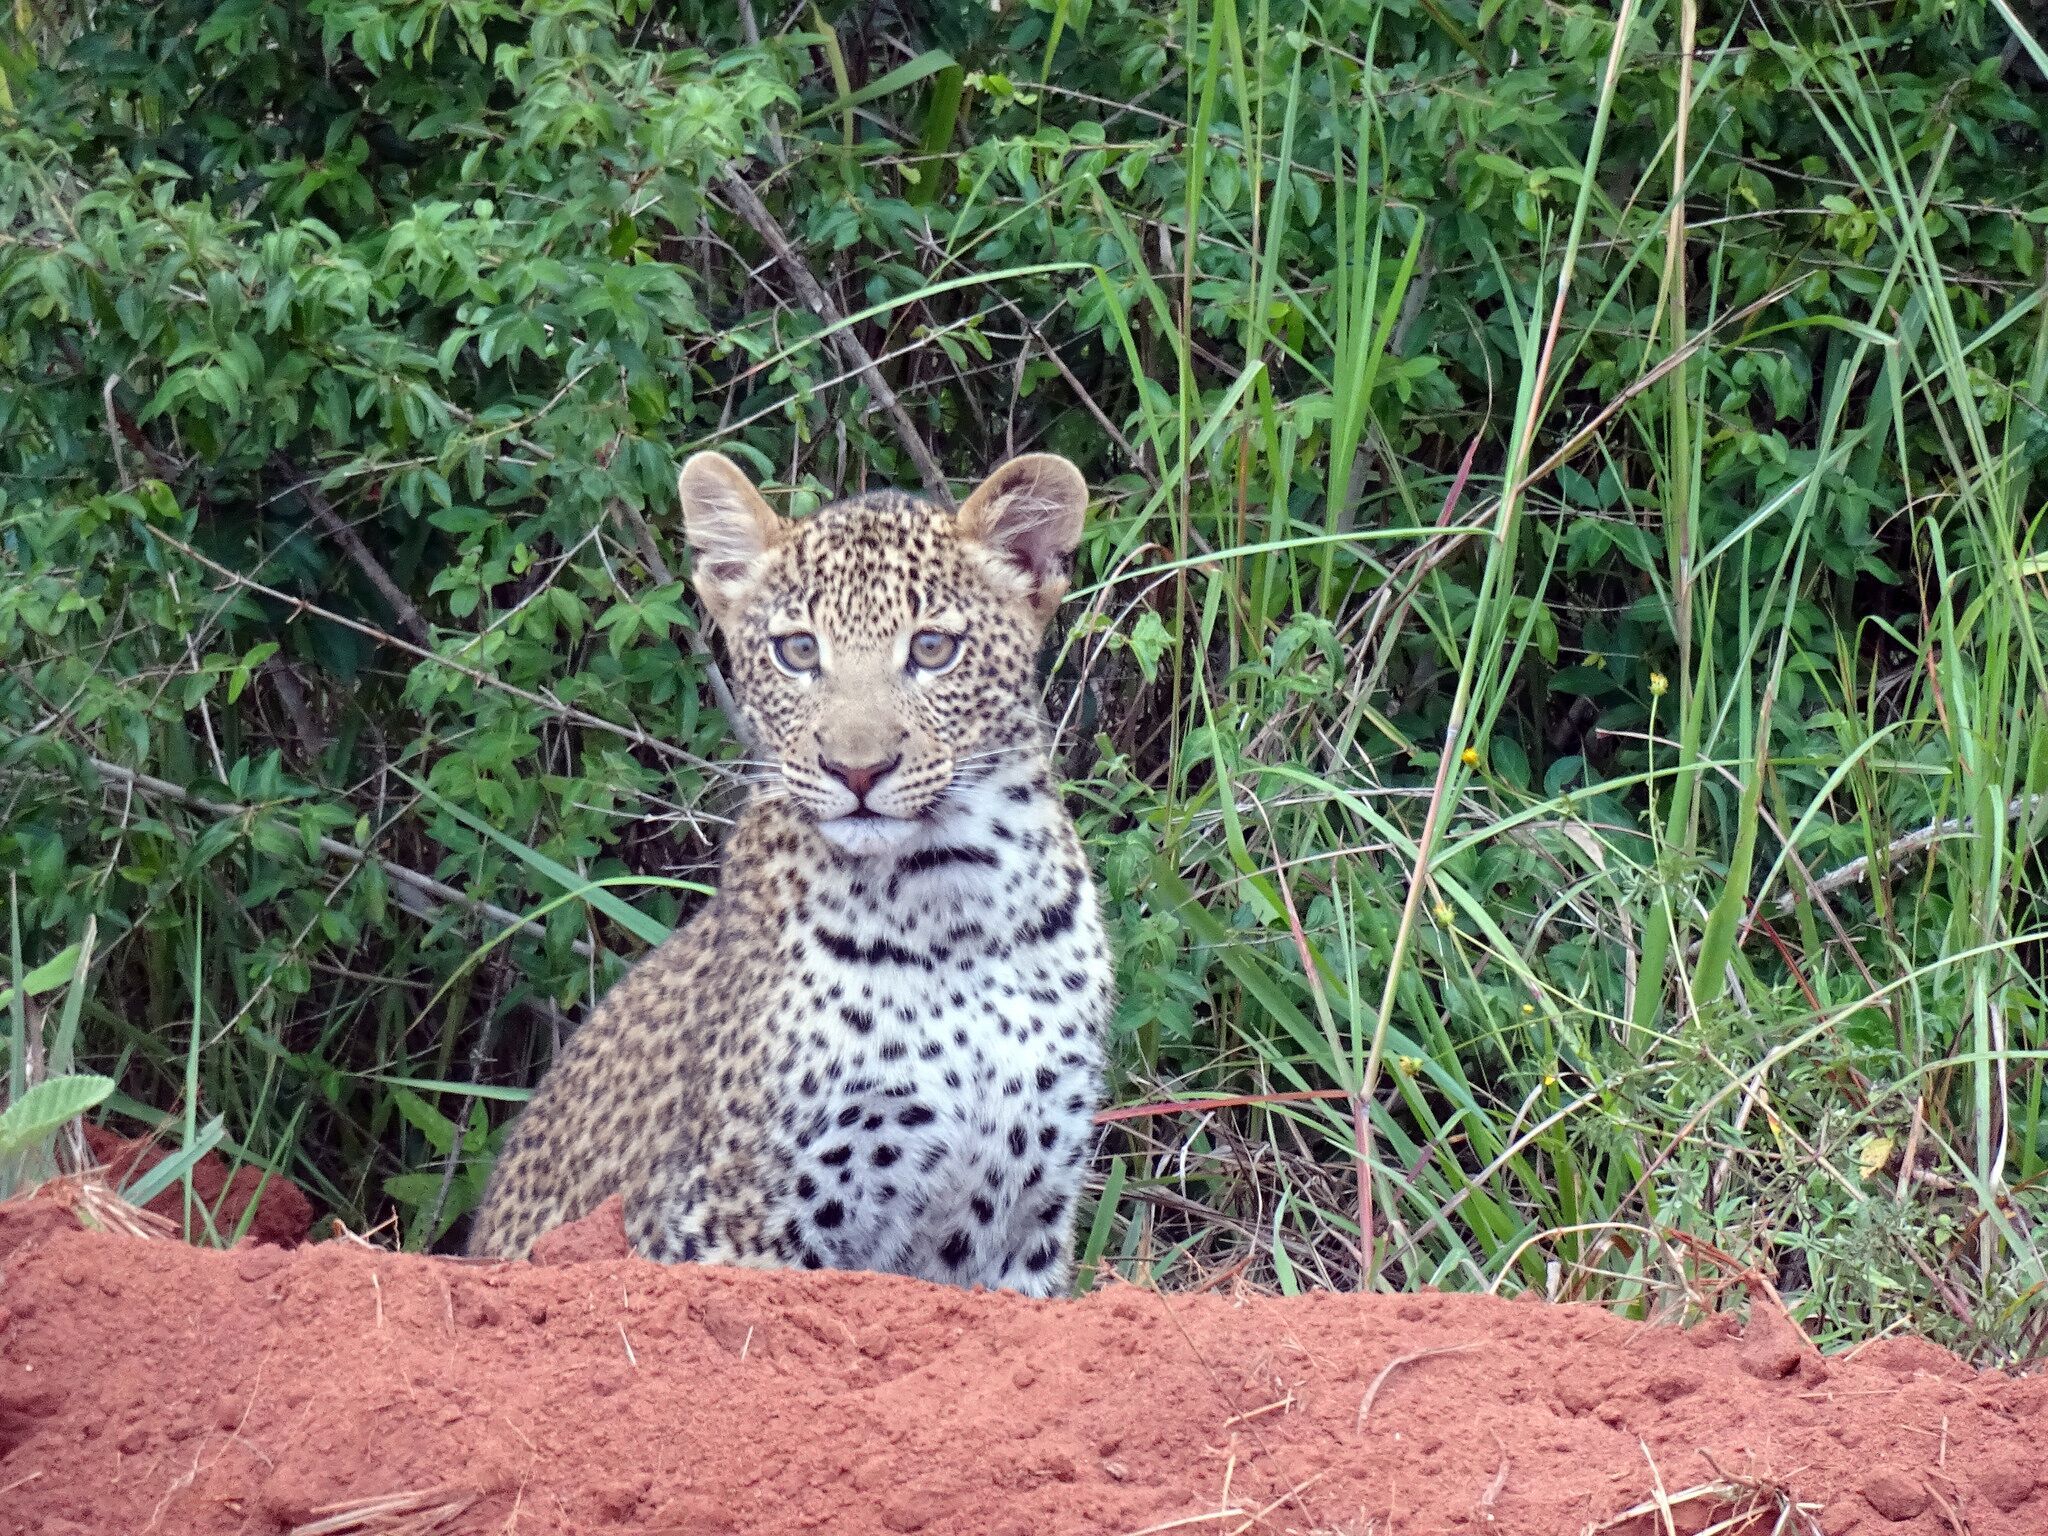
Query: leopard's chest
{"points": [[951, 1070]]}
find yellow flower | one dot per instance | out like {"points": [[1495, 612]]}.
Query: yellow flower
{"points": [[1550, 1079], [1527, 1009], [1659, 685], [1409, 1065], [1469, 757], [1443, 912]]}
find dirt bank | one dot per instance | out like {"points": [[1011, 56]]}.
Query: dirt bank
{"points": [[148, 1386]]}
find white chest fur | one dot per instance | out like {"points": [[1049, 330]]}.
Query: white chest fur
{"points": [[946, 1013]]}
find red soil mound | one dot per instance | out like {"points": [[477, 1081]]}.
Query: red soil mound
{"points": [[148, 1386]]}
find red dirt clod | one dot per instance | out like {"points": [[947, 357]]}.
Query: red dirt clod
{"points": [[24, 1405], [1580, 1396], [1773, 1348], [1913, 1357], [613, 1396], [1895, 1493], [595, 1238], [30, 1222], [2009, 1484], [283, 1213], [1671, 1387]]}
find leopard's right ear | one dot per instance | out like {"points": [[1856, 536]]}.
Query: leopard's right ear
{"points": [[729, 526], [1027, 515]]}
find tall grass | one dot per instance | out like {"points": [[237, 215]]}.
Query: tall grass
{"points": [[1744, 1062]]}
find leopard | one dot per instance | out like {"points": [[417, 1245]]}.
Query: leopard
{"points": [[881, 1044]]}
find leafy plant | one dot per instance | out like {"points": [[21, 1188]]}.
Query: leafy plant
{"points": [[44, 1096]]}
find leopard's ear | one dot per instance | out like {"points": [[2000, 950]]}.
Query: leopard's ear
{"points": [[1028, 513], [728, 525]]}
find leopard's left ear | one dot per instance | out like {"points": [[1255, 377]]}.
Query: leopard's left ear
{"points": [[1029, 514]]}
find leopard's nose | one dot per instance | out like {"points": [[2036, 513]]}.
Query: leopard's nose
{"points": [[860, 779]]}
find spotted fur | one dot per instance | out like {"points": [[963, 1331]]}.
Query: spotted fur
{"points": [[879, 1046]]}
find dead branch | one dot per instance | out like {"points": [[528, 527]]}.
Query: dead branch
{"points": [[762, 222], [352, 545]]}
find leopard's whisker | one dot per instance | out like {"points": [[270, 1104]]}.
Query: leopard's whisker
{"points": [[1019, 750]]}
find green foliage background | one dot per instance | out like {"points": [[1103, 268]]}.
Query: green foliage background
{"points": [[1568, 485]]}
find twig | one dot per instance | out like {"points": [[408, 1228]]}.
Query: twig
{"points": [[1749, 1498], [750, 29], [293, 697], [119, 423], [479, 1053], [1187, 1520], [1913, 842], [417, 1510], [762, 222], [1102, 417], [657, 567], [1657, 1493], [412, 878], [352, 544], [1258, 1515], [1500, 1481], [554, 706], [99, 1208], [1661, 1503], [114, 429], [1912, 1153], [1280, 1406], [1372, 1392]]}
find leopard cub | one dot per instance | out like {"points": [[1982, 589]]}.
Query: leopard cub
{"points": [[880, 1045]]}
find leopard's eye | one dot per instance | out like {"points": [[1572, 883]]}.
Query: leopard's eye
{"points": [[797, 653], [934, 649]]}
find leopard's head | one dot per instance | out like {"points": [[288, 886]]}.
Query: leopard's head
{"points": [[882, 650]]}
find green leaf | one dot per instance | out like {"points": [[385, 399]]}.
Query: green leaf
{"points": [[491, 1091], [1149, 640], [901, 78], [428, 1121], [156, 1180], [52, 973], [1097, 1241], [47, 1106]]}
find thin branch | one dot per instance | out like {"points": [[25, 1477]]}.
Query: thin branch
{"points": [[423, 885], [1913, 842], [762, 222], [114, 430], [351, 542], [553, 706], [293, 697], [1102, 419]]}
